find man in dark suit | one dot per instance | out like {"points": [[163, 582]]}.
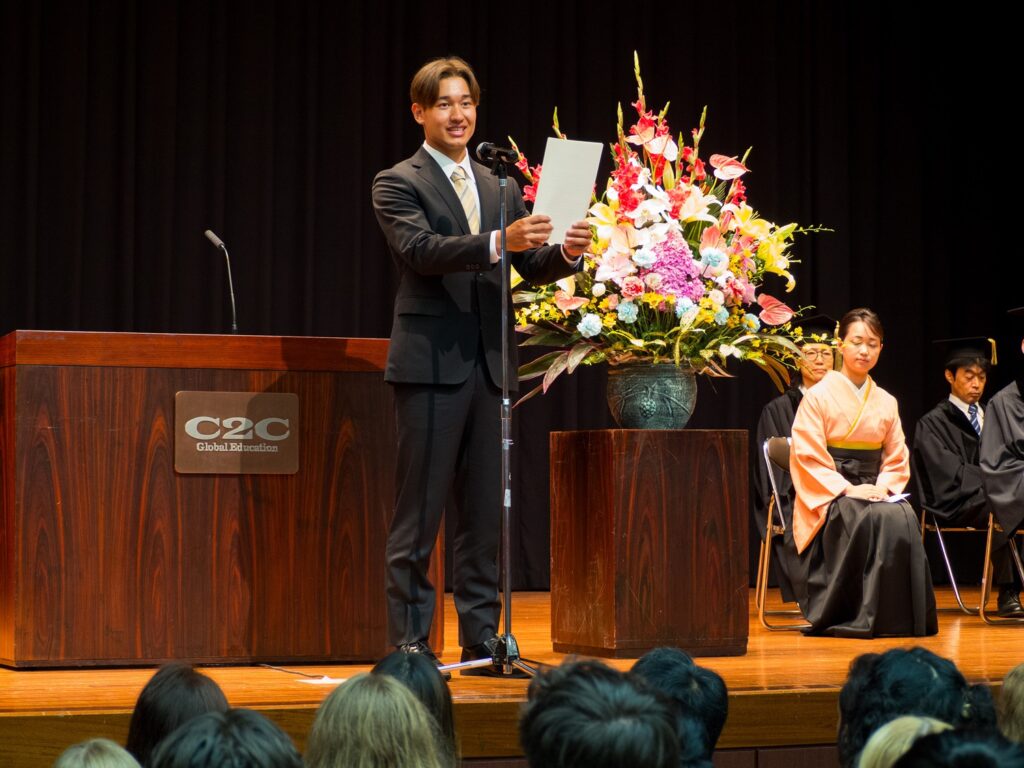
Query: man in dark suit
{"points": [[947, 453], [439, 213]]}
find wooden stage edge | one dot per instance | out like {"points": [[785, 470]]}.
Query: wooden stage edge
{"points": [[783, 692]]}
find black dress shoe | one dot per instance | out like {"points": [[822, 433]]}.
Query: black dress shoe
{"points": [[1009, 606], [486, 650], [423, 649]]}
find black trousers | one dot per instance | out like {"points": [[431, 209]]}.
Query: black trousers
{"points": [[448, 449], [1004, 574]]}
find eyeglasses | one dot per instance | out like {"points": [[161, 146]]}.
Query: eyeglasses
{"points": [[818, 354]]}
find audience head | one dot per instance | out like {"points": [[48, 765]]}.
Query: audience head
{"points": [[963, 749], [238, 738], [698, 693], [586, 715], [373, 721], [420, 675], [96, 753], [883, 686], [890, 742], [1011, 705], [173, 696]]}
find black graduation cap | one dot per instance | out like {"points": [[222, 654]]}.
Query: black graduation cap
{"points": [[816, 329], [967, 350]]}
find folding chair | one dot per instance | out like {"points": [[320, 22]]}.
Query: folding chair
{"points": [[987, 574], [940, 532], [775, 451]]}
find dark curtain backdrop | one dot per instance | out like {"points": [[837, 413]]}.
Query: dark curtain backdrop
{"points": [[129, 128]]}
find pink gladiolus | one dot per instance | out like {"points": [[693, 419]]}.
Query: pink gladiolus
{"points": [[727, 168], [774, 312]]}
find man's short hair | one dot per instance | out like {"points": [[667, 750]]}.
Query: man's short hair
{"points": [[240, 738], [963, 748], [883, 686], [968, 360], [699, 693], [426, 83], [587, 715]]}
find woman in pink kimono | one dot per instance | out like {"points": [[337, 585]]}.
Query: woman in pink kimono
{"points": [[866, 570]]}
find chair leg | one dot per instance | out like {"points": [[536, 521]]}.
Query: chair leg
{"points": [[1015, 553], [758, 592], [988, 574], [762, 590], [952, 577]]}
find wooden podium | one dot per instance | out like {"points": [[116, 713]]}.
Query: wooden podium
{"points": [[649, 541], [108, 556]]}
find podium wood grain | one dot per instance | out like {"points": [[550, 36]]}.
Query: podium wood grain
{"points": [[649, 541], [108, 556]]}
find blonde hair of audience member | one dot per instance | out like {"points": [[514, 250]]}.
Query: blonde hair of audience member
{"points": [[890, 742], [1011, 705], [373, 721], [96, 753]]}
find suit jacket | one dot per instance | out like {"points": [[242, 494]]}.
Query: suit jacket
{"points": [[449, 293]]}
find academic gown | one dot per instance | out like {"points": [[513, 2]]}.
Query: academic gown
{"points": [[1002, 455], [868, 575], [777, 421], [949, 478], [946, 469]]}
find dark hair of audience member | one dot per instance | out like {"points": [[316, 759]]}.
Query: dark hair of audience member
{"points": [[173, 696], [963, 749], [419, 674], [584, 714], [238, 738], [96, 753], [1011, 705], [883, 686], [373, 721], [698, 693]]}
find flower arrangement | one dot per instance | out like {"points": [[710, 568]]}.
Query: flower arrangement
{"points": [[676, 267]]}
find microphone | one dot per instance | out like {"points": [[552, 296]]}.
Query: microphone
{"points": [[231, 288], [213, 238], [489, 153]]}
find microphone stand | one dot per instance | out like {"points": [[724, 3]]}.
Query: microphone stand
{"points": [[506, 653], [231, 290], [219, 245]]}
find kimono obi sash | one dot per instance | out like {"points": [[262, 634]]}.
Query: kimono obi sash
{"points": [[857, 465]]}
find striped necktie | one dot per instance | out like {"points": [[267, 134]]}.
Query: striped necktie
{"points": [[972, 412], [462, 188]]}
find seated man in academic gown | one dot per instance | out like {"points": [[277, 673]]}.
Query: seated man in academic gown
{"points": [[1002, 455], [946, 457], [816, 339]]}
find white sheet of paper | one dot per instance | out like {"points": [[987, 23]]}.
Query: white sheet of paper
{"points": [[325, 680], [567, 182], [898, 497]]}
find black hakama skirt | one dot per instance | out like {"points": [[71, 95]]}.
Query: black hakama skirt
{"points": [[866, 571]]}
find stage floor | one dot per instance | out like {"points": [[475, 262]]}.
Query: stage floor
{"points": [[782, 692]]}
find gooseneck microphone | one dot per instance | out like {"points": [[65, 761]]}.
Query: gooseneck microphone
{"points": [[487, 152], [231, 288]]}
